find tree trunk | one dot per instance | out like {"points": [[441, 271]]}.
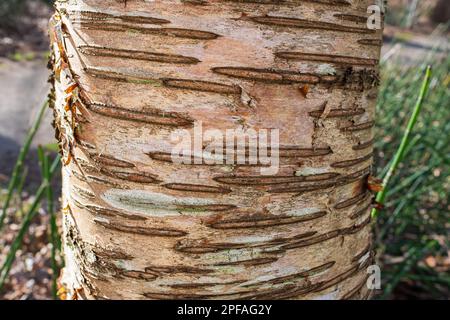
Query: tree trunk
{"points": [[138, 225]]}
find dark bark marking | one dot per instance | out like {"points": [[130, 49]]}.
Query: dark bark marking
{"points": [[203, 246], [371, 42], [138, 177], [170, 32], [136, 55], [293, 277], [363, 145], [360, 212], [264, 221], [327, 236], [362, 253], [111, 161], [139, 275], [328, 58], [154, 117], [337, 113], [267, 75], [177, 269], [352, 162], [285, 2], [308, 24], [198, 85], [302, 188], [155, 232], [359, 127], [356, 290], [349, 202], [249, 262], [197, 188], [86, 194], [273, 180], [351, 17], [97, 210], [103, 17]]}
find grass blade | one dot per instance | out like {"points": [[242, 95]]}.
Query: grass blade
{"points": [[398, 157], [6, 267], [20, 186], [53, 233], [414, 255], [20, 162]]}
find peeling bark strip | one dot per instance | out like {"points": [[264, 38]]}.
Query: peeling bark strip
{"points": [[155, 232], [202, 86], [283, 153], [103, 16], [196, 188], [316, 57], [363, 145], [371, 42], [354, 292], [337, 113], [303, 188], [85, 194], [352, 162], [201, 246], [169, 32], [349, 202], [263, 221], [285, 77], [284, 2], [138, 177], [108, 160], [303, 152], [136, 55], [249, 262], [363, 253], [326, 236], [308, 24], [156, 117], [152, 116], [360, 212], [285, 291], [292, 277], [120, 77], [177, 269], [351, 17], [139, 275], [271, 180], [105, 212], [298, 184], [360, 126], [130, 75]]}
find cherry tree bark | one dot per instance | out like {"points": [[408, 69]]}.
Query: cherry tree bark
{"points": [[127, 74]]}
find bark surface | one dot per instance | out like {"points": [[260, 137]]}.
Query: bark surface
{"points": [[136, 225]]}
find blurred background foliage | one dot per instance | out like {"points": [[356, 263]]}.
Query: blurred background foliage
{"points": [[9, 10], [412, 232]]}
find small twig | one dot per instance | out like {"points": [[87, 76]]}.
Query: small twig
{"points": [[398, 157]]}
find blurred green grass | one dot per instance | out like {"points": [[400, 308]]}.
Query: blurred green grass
{"points": [[415, 222]]}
